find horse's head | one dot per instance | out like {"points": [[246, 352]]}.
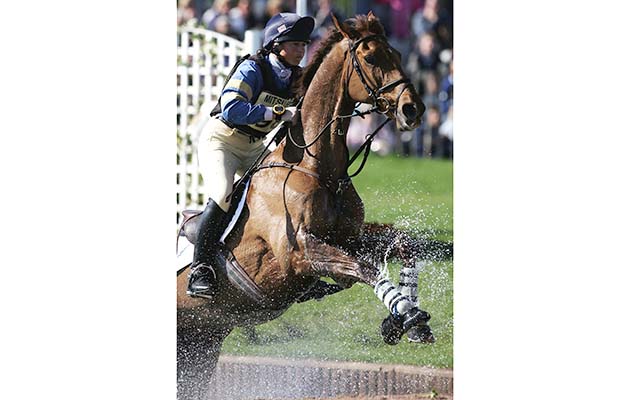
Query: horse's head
{"points": [[374, 74]]}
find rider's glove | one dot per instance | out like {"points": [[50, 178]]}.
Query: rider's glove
{"points": [[281, 113], [288, 114]]}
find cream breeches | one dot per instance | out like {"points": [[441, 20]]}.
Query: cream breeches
{"points": [[223, 152]]}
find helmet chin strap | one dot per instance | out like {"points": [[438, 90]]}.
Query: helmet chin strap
{"points": [[276, 50]]}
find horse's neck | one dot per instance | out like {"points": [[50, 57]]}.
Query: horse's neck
{"points": [[324, 100]]}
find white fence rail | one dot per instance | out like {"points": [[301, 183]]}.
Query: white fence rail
{"points": [[204, 58]]}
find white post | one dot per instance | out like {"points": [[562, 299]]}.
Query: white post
{"points": [[253, 41], [301, 8]]}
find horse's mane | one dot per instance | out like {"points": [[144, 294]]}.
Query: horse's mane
{"points": [[355, 27]]}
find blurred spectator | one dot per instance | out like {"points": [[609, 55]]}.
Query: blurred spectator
{"points": [[406, 139], [242, 18], [430, 90], [429, 131], [360, 128], [400, 12], [446, 56], [424, 58], [186, 12], [323, 20], [274, 7], [222, 24], [435, 19], [445, 139], [446, 91], [219, 8], [258, 8]]}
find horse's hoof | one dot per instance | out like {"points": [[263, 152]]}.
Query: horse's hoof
{"points": [[391, 330], [415, 317], [421, 334]]}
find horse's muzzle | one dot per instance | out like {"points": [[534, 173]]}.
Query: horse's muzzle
{"points": [[408, 115]]}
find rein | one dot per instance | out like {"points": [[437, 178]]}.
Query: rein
{"points": [[367, 145], [321, 132], [379, 104], [255, 165]]}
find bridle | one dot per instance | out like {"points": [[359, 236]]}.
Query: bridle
{"points": [[381, 104]]}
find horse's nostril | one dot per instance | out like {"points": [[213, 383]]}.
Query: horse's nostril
{"points": [[409, 110]]}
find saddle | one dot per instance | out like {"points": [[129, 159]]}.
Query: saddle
{"points": [[188, 227], [227, 266]]}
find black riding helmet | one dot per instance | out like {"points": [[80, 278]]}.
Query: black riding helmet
{"points": [[286, 27]]}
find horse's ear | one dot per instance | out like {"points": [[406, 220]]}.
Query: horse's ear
{"points": [[339, 26], [371, 16]]}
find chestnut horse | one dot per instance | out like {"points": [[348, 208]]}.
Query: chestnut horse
{"points": [[303, 218]]}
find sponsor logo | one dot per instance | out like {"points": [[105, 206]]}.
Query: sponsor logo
{"points": [[270, 100]]}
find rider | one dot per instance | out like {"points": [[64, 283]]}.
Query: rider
{"points": [[256, 98]]}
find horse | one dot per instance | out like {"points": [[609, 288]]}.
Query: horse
{"points": [[302, 217]]}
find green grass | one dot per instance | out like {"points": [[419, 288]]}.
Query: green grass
{"points": [[416, 195]]}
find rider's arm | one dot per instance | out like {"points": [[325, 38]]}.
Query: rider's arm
{"points": [[245, 85]]}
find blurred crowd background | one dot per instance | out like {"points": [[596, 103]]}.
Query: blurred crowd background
{"points": [[422, 30]]}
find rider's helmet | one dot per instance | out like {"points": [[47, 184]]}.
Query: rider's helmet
{"points": [[285, 27]]}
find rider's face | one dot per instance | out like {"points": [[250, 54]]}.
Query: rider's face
{"points": [[292, 52]]}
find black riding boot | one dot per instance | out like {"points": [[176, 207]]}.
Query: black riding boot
{"points": [[210, 227]]}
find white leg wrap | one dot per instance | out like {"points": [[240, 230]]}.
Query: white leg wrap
{"points": [[395, 301], [408, 283]]}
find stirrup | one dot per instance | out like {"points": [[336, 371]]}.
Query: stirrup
{"points": [[199, 271]]}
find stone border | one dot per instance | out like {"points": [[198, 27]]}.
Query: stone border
{"points": [[238, 377]]}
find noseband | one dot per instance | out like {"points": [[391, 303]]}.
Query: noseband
{"points": [[379, 102]]}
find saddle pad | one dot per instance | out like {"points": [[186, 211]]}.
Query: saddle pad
{"points": [[185, 255], [241, 197], [186, 250]]}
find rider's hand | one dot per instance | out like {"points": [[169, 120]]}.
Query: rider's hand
{"points": [[289, 113]]}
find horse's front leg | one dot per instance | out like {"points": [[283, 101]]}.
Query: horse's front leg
{"points": [[378, 243], [321, 259]]}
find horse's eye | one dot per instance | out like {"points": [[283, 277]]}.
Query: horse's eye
{"points": [[370, 59]]}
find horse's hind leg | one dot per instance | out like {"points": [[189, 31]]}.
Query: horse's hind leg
{"points": [[197, 355], [318, 258]]}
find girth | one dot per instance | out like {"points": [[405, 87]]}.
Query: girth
{"points": [[288, 166]]}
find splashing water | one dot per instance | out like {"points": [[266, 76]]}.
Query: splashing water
{"points": [[345, 326]]}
